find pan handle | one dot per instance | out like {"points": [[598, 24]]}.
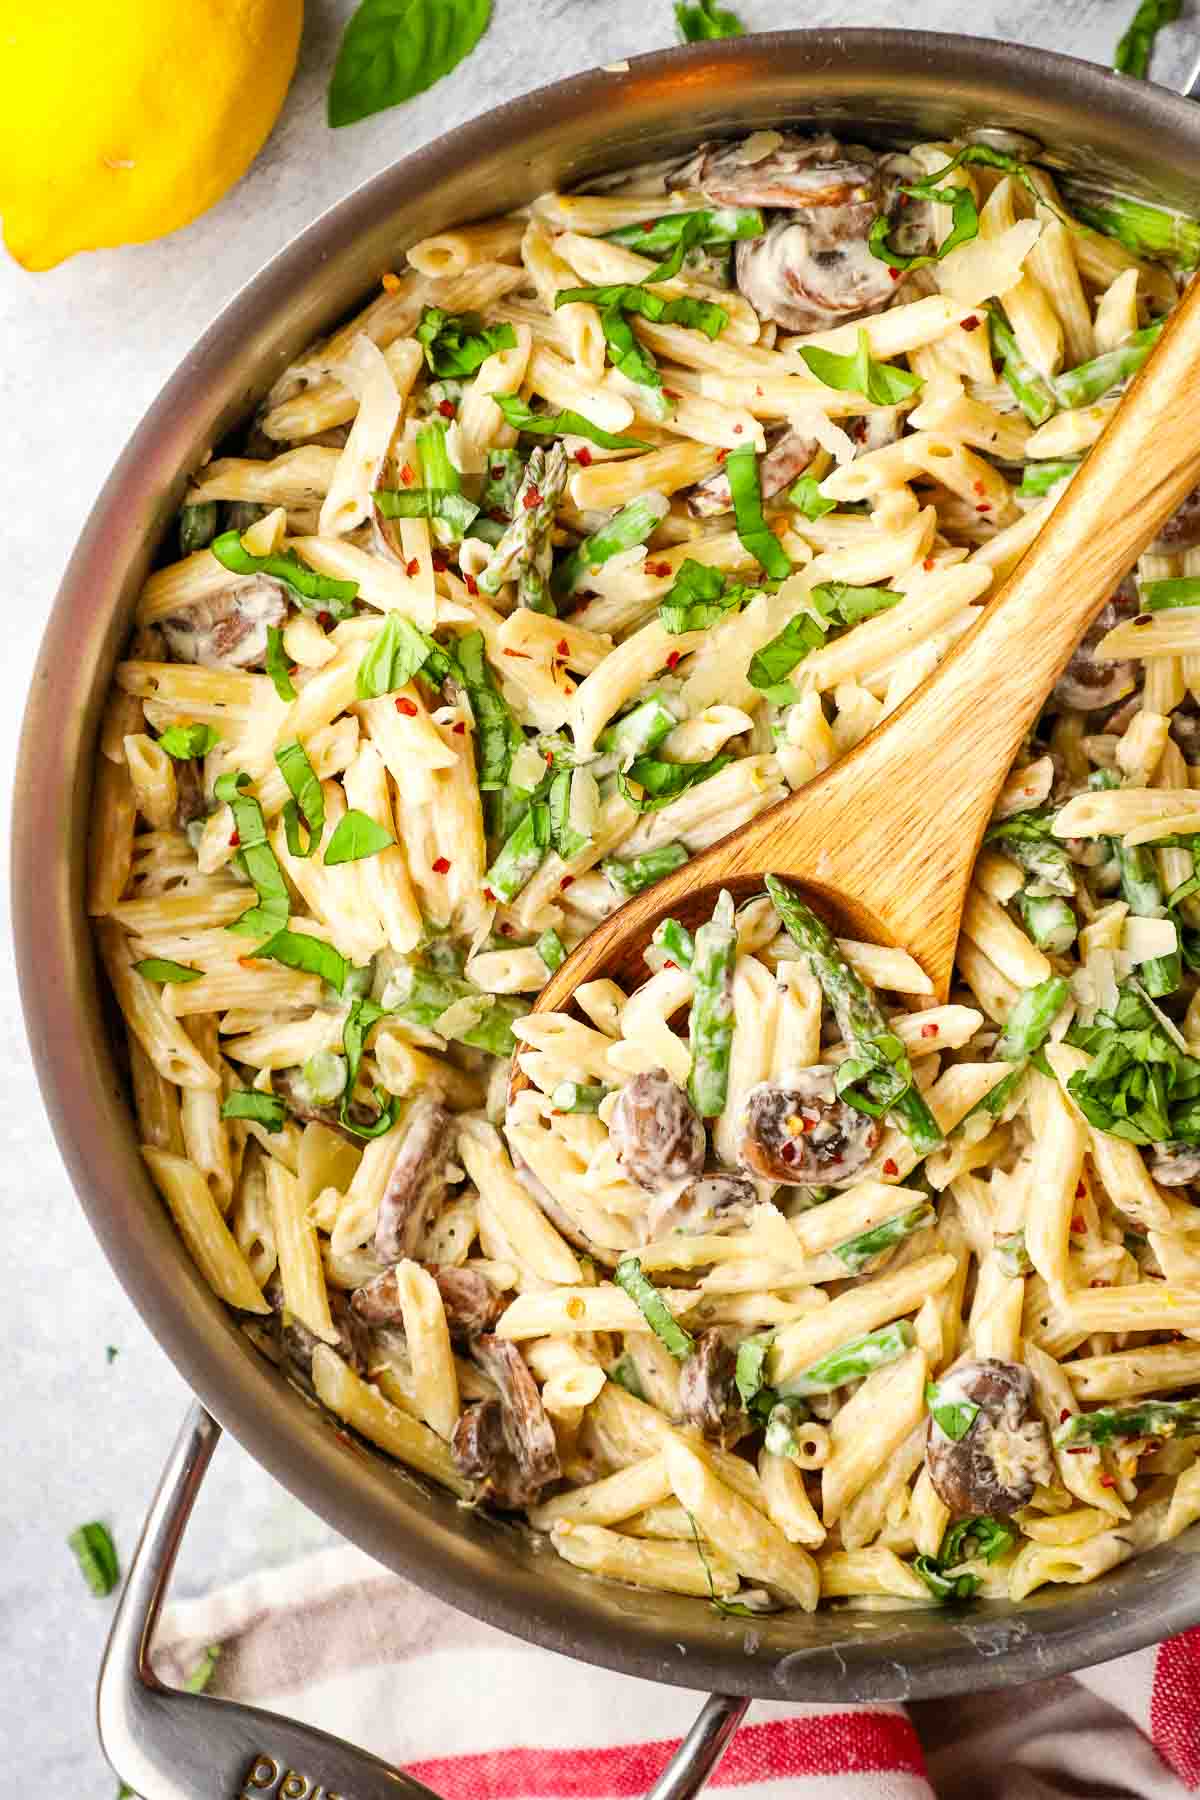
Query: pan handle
{"points": [[171, 1745]]}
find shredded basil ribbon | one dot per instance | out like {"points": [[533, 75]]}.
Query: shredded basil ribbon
{"points": [[662, 782], [255, 858], [183, 742], [698, 598], [521, 416], [279, 667], [267, 1110], [161, 968], [307, 802], [741, 470], [96, 1555], [355, 836], [394, 657], [363, 1015], [456, 343], [301, 950], [318, 592]]}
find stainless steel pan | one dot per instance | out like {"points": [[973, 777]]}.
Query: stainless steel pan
{"points": [[882, 85]]}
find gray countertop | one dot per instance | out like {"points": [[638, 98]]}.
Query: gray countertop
{"points": [[85, 349]]}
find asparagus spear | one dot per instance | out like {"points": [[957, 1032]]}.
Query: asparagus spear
{"points": [[1030, 1020], [640, 872], [624, 531], [1049, 921], [1146, 230], [1091, 380], [1179, 590], [577, 1096], [1040, 477], [853, 1360], [710, 1023], [197, 526], [524, 553], [654, 1309], [676, 940], [1032, 392], [877, 1075], [1142, 888], [858, 1251], [640, 730], [421, 996], [1149, 1418], [551, 949], [522, 854]]}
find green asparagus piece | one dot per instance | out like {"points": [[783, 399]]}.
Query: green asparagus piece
{"points": [[1030, 1020], [640, 872], [1027, 839], [780, 1436], [858, 1251], [522, 854], [1031, 391], [1049, 921], [1182, 590], [710, 1022], [624, 531], [640, 730], [1148, 1418], [96, 1555], [1092, 380], [502, 478], [852, 1361], [524, 554], [676, 940], [654, 1309], [1040, 477], [420, 997], [324, 1077], [1012, 1254], [876, 1077], [577, 1096], [197, 526], [1148, 231], [551, 949], [1142, 888], [750, 1367]]}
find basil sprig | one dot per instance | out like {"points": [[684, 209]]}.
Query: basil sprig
{"points": [[316, 593], [456, 343], [521, 416], [255, 858], [806, 496], [183, 742], [393, 49], [859, 374]]}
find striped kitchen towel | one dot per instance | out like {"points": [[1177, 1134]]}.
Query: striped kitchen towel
{"points": [[340, 1642]]}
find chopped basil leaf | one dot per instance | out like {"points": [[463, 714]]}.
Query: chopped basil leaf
{"points": [[653, 1307], [96, 1555], [698, 598], [355, 836], [499, 735], [750, 1368], [307, 802], [944, 1587], [988, 1539], [397, 653], [442, 505], [394, 49], [520, 415], [741, 469], [202, 1674], [301, 950], [723, 225], [279, 667], [318, 592], [161, 968], [267, 1110], [183, 742], [954, 1417], [456, 343], [837, 603], [806, 496], [1139, 1085], [705, 19], [860, 374], [255, 858]]}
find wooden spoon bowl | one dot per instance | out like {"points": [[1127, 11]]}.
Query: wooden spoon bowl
{"points": [[882, 844]]}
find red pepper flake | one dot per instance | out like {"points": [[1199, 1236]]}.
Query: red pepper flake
{"points": [[459, 728], [659, 569], [324, 620], [439, 560], [523, 654], [1099, 1283], [471, 585], [670, 965], [671, 393], [928, 1031], [442, 866], [788, 1152], [489, 896], [1078, 1226], [566, 881], [1080, 1190], [859, 432], [408, 475], [562, 646], [895, 273], [446, 408], [890, 1167], [390, 283], [583, 457], [722, 453], [234, 839], [984, 506], [738, 430], [549, 759], [978, 487], [1081, 1451], [1107, 1481], [970, 324], [248, 962], [412, 568], [758, 391], [674, 658], [531, 498], [927, 565], [407, 707], [498, 516], [1064, 1415], [647, 224], [507, 930]]}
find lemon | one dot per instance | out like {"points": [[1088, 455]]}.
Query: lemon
{"points": [[124, 119]]}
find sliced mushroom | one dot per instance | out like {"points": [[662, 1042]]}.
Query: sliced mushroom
{"points": [[708, 1397], [1174, 1165], [1182, 529], [806, 285], [479, 1451], [713, 1203], [528, 1436], [788, 455], [1088, 683], [191, 801], [654, 1130], [801, 1133], [471, 1304], [229, 629], [1185, 728], [417, 1179], [297, 1342], [813, 175], [993, 1468]]}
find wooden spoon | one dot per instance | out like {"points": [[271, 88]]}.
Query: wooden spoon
{"points": [[883, 843]]}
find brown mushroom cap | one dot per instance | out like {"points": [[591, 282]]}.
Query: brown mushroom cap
{"points": [[655, 1133], [801, 1133], [994, 1467], [708, 1397]]}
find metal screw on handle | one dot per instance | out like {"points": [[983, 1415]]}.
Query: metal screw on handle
{"points": [[171, 1745]]}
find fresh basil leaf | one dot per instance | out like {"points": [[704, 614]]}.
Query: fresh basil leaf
{"points": [[843, 604], [806, 496], [954, 1417], [698, 598], [723, 225], [96, 1555], [301, 950], [307, 802], [705, 19], [499, 736], [1139, 1086], [456, 343], [317, 593], [279, 666], [202, 1674], [393, 49], [521, 416], [255, 858], [861, 374], [267, 1110], [355, 836], [653, 1308], [662, 782], [183, 742], [776, 660], [624, 1373], [741, 470], [964, 225], [161, 968], [942, 1586], [988, 1539], [394, 657]]}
